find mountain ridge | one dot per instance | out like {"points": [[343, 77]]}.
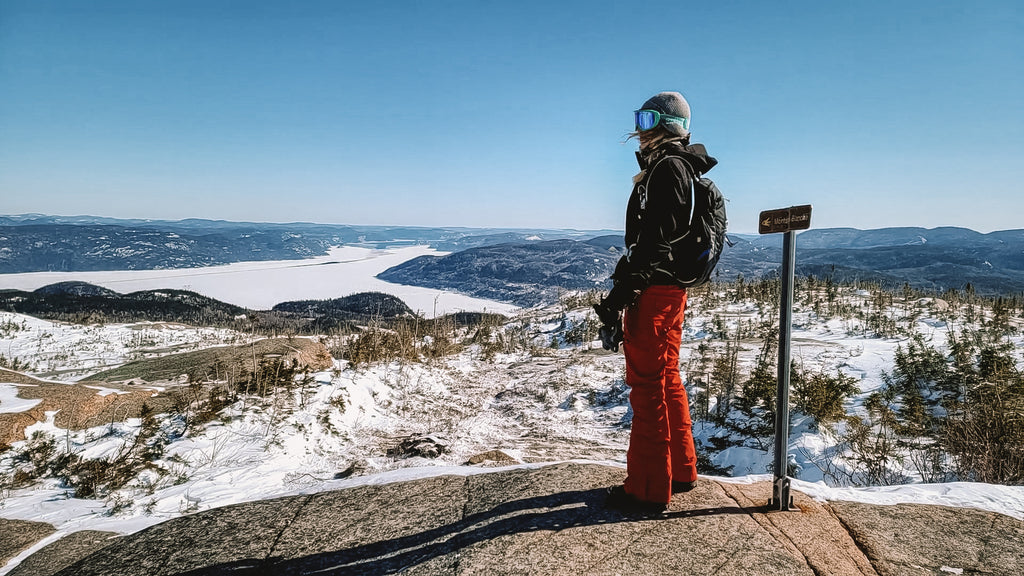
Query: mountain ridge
{"points": [[948, 260], [522, 266], [84, 302], [39, 243]]}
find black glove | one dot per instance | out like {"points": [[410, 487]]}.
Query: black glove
{"points": [[607, 313], [626, 288], [611, 324], [611, 336]]}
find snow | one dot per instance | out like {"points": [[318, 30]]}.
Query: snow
{"points": [[1008, 500], [260, 285], [66, 352], [10, 403], [101, 391]]}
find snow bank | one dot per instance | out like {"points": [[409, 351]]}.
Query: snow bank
{"points": [[10, 403]]}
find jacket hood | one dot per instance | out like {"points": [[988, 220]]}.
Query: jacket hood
{"points": [[696, 155]]}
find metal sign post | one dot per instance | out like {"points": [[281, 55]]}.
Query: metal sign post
{"points": [[787, 220]]}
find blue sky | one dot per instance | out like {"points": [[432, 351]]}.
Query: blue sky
{"points": [[509, 114]]}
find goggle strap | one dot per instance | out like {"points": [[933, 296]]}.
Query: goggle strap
{"points": [[678, 120]]}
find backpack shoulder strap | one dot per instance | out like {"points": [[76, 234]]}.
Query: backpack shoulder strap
{"points": [[693, 173], [694, 176]]}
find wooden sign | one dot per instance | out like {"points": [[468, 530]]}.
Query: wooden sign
{"points": [[784, 219]]}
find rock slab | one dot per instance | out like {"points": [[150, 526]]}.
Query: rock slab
{"points": [[551, 520], [56, 556], [17, 535]]}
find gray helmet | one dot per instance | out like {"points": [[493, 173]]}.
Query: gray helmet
{"points": [[673, 104]]}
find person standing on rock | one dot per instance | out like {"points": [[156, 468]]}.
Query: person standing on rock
{"points": [[644, 309]]}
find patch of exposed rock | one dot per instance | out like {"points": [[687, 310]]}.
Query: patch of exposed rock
{"points": [[17, 535], [223, 363], [57, 555], [492, 458], [78, 405]]}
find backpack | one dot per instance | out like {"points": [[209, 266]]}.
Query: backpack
{"points": [[701, 247]]}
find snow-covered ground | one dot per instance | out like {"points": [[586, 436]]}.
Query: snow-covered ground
{"points": [[538, 406], [260, 285], [62, 351]]}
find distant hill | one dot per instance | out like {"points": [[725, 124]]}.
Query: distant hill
{"points": [[525, 274], [73, 247], [511, 237], [362, 304], [80, 301], [934, 259], [83, 302], [75, 288], [41, 243], [347, 313]]}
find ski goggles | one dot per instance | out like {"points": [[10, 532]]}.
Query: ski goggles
{"points": [[647, 119]]}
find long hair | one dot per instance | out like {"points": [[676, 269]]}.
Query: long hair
{"points": [[651, 139]]}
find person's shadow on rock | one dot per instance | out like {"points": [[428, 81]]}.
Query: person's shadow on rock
{"points": [[553, 512]]}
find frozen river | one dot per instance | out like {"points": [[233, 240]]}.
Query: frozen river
{"points": [[260, 285]]}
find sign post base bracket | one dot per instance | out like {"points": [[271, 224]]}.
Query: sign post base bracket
{"points": [[782, 500]]}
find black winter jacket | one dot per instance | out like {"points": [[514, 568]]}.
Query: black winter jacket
{"points": [[658, 213]]}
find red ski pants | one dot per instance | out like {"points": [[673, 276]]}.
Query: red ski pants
{"points": [[661, 439]]}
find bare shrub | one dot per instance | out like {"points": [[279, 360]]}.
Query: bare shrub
{"points": [[98, 477], [376, 344], [985, 436], [443, 338], [91, 477], [580, 299], [33, 461], [873, 445], [16, 364], [582, 331]]}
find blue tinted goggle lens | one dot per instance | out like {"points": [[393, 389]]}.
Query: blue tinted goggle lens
{"points": [[646, 119]]}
